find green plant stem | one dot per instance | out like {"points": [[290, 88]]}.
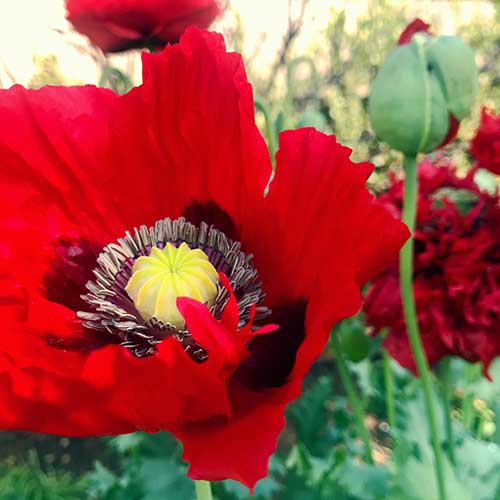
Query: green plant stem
{"points": [[468, 411], [447, 391], [389, 389], [203, 490], [406, 279], [353, 398], [269, 130], [497, 493]]}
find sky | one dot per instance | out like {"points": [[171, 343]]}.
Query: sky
{"points": [[29, 27]]}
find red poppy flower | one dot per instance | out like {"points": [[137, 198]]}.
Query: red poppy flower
{"points": [[456, 271], [419, 26], [118, 25], [485, 147], [84, 349]]}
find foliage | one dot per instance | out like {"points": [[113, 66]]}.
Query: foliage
{"points": [[47, 72], [27, 481], [347, 61], [320, 455]]}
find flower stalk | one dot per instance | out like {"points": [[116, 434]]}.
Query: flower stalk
{"points": [[406, 282], [203, 490], [389, 389], [447, 392], [270, 134], [353, 398]]}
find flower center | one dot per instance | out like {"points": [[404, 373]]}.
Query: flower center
{"points": [[160, 278], [138, 278]]}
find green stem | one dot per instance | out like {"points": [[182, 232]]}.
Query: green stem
{"points": [[389, 390], [270, 135], [203, 490], [406, 278], [497, 493], [353, 398], [447, 391], [468, 411], [272, 139]]}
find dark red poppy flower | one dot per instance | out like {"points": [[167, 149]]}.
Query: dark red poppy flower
{"points": [[204, 320], [456, 271], [118, 25], [485, 147], [419, 26]]}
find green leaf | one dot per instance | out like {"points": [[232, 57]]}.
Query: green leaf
{"points": [[369, 482], [264, 489], [475, 476], [478, 464], [126, 442], [470, 379], [354, 340], [309, 417], [463, 199], [486, 181], [414, 475], [29, 482], [101, 480], [163, 478]]}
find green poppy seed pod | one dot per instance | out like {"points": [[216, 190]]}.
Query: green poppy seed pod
{"points": [[422, 91]]}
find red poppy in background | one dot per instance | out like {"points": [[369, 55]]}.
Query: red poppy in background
{"points": [[416, 26], [419, 26], [485, 147], [118, 25], [456, 271], [179, 158]]}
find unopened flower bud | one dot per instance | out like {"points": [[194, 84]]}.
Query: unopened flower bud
{"points": [[425, 87]]}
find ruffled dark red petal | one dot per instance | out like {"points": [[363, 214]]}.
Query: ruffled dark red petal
{"points": [[115, 26], [485, 146], [456, 271]]}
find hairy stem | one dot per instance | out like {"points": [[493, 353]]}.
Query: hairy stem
{"points": [[406, 279], [203, 490], [389, 389], [447, 391], [353, 398]]}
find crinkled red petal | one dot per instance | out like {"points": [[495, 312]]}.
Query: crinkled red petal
{"points": [[327, 237], [95, 165], [485, 146]]}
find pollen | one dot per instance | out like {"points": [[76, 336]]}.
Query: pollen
{"points": [[158, 279]]}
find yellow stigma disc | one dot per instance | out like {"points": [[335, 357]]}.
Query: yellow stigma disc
{"points": [[158, 279]]}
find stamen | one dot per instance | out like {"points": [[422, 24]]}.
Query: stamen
{"points": [[123, 308]]}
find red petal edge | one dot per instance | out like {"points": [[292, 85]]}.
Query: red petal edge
{"points": [[416, 26]]}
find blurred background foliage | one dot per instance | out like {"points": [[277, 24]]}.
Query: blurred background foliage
{"points": [[320, 454], [348, 59]]}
